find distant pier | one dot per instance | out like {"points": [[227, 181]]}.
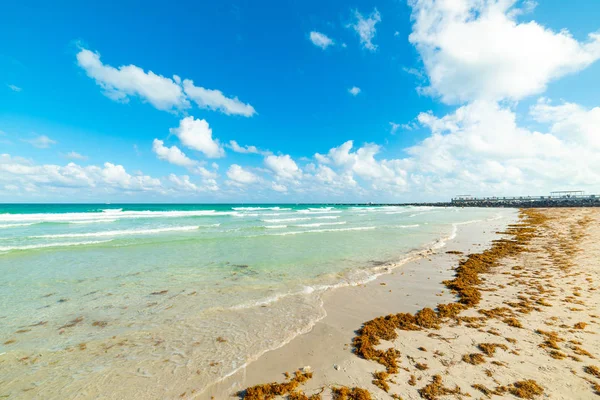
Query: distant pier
{"points": [[555, 199]]}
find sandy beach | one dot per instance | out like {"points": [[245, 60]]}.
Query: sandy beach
{"points": [[526, 327]]}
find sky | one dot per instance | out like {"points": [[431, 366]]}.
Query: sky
{"points": [[297, 101]]}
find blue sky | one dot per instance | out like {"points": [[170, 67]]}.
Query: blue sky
{"points": [[494, 98]]}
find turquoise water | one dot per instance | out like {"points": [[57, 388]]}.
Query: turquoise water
{"points": [[183, 276]]}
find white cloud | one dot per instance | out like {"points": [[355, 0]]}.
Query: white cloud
{"points": [[215, 100], [278, 187], [41, 142], [73, 155], [183, 183], [233, 145], [481, 148], [129, 80], [239, 175], [38, 178], [365, 28], [175, 156], [326, 174], [354, 91], [320, 40], [394, 127], [244, 150], [283, 166], [197, 135], [570, 121], [381, 174], [14, 88], [322, 159], [172, 154], [476, 49]]}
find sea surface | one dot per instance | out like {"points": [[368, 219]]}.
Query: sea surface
{"points": [[192, 291]]}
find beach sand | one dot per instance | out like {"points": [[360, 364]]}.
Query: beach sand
{"points": [[529, 329]]}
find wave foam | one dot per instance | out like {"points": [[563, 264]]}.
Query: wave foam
{"points": [[2, 226], [319, 212], [93, 221], [360, 228], [46, 245], [315, 225], [119, 233], [286, 219], [113, 214], [259, 208]]}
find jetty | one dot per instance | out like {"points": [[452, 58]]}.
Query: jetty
{"points": [[563, 198]]}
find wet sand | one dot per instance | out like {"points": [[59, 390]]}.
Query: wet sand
{"points": [[533, 333], [327, 348]]}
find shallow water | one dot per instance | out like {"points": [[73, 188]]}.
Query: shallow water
{"points": [[192, 290]]}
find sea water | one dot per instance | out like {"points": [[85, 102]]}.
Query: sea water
{"points": [[193, 292]]}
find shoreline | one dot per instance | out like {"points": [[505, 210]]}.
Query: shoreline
{"points": [[398, 286], [527, 316]]}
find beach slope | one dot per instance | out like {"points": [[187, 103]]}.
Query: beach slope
{"points": [[524, 324]]}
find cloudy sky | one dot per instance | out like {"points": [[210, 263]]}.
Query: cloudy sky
{"points": [[297, 101]]}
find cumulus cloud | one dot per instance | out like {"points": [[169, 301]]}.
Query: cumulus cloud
{"points": [[365, 28], [183, 183], [239, 175], [320, 40], [354, 91], [283, 166], [480, 147], [215, 100], [25, 174], [129, 80], [233, 145], [167, 94], [570, 121], [22, 177], [362, 162], [477, 50], [196, 134], [175, 156], [172, 154], [41, 141]]}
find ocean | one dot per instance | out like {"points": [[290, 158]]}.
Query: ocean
{"points": [[189, 291]]}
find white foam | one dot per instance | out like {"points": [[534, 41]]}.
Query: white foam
{"points": [[272, 220], [275, 226], [108, 220], [315, 225], [113, 214], [360, 228], [14, 225], [259, 208], [112, 210], [424, 212], [294, 219], [119, 233], [46, 245], [319, 212]]}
